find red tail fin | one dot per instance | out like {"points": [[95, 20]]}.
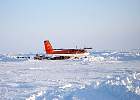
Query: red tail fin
{"points": [[48, 47]]}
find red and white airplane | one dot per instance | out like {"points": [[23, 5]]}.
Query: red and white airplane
{"points": [[65, 53]]}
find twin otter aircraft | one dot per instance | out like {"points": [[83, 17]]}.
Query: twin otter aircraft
{"points": [[60, 54]]}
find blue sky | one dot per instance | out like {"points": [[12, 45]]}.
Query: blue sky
{"points": [[101, 24]]}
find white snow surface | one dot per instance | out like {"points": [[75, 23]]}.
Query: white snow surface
{"points": [[98, 77]]}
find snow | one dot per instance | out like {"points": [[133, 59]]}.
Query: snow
{"points": [[102, 76]]}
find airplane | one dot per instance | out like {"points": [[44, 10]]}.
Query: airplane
{"points": [[60, 54], [66, 53]]}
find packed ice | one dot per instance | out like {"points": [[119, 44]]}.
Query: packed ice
{"points": [[103, 75]]}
